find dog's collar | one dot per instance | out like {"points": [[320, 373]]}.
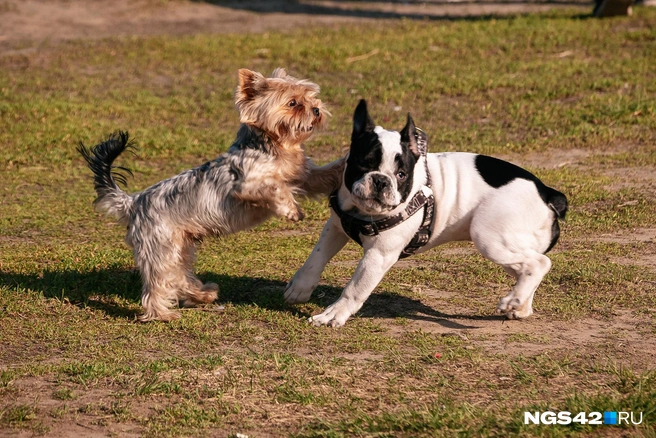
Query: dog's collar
{"points": [[355, 227]]}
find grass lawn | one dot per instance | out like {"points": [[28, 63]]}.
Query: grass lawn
{"points": [[572, 99]]}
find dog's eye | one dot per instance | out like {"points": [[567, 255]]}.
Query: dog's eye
{"points": [[292, 103], [401, 175]]}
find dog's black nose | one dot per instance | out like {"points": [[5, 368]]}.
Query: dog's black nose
{"points": [[380, 182], [316, 112]]}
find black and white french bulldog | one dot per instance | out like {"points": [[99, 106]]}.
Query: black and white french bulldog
{"points": [[508, 213]]}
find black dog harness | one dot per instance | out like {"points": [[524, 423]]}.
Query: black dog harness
{"points": [[424, 198]]}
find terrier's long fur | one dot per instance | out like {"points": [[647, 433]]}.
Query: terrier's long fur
{"points": [[257, 178]]}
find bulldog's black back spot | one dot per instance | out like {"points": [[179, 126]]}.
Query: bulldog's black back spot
{"points": [[498, 173]]}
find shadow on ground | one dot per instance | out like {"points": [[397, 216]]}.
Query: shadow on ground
{"points": [[91, 289], [413, 10]]}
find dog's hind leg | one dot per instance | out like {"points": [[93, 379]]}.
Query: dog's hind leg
{"points": [[157, 296], [526, 265], [513, 227], [154, 257], [192, 290], [529, 273]]}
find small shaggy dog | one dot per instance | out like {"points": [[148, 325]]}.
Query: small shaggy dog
{"points": [[257, 178]]}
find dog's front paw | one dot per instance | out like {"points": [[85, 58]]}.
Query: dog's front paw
{"points": [[513, 308], [295, 214], [335, 315], [298, 290]]}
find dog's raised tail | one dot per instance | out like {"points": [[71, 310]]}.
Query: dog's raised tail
{"points": [[111, 199]]}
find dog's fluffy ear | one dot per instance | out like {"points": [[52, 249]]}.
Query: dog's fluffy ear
{"points": [[250, 84], [409, 136], [362, 120], [279, 73]]}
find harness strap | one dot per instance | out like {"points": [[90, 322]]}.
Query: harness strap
{"points": [[423, 234], [355, 227], [422, 146]]}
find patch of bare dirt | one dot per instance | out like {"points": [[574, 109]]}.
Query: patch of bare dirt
{"points": [[646, 261], [551, 159], [640, 178], [643, 178], [646, 257], [634, 236], [86, 413], [625, 332]]}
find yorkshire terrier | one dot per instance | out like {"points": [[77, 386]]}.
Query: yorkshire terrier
{"points": [[256, 178]]}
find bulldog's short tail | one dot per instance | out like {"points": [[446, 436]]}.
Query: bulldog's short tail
{"points": [[111, 199], [557, 202]]}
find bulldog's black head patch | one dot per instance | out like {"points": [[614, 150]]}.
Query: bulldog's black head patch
{"points": [[380, 166], [366, 154]]}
